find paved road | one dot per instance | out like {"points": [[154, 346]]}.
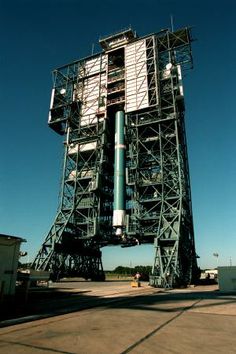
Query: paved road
{"points": [[146, 320]]}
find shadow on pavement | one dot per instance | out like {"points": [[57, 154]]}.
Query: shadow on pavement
{"points": [[48, 302]]}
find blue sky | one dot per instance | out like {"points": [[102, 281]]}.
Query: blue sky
{"points": [[38, 36]]}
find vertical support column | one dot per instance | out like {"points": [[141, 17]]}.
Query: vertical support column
{"points": [[119, 174]]}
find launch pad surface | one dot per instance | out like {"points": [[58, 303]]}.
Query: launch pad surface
{"points": [[114, 318]]}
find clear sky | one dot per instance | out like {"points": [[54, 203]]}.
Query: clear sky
{"points": [[38, 36]]}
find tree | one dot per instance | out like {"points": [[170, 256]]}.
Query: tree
{"points": [[143, 270]]}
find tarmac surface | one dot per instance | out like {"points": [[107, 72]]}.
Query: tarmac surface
{"points": [[112, 317]]}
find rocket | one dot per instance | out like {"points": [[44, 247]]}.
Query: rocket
{"points": [[119, 174]]}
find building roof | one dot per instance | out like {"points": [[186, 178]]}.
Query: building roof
{"points": [[16, 238]]}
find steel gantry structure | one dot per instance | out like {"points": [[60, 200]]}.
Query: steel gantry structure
{"points": [[125, 176]]}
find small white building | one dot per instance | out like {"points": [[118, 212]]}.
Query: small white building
{"points": [[9, 256], [227, 278], [211, 274]]}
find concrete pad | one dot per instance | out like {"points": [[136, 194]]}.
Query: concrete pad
{"points": [[193, 333], [157, 322]]}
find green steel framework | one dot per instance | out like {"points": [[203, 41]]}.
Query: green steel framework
{"points": [[158, 197]]}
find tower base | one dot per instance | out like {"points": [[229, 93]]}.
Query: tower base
{"points": [[87, 264]]}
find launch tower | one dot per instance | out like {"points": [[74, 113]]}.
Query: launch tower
{"points": [[125, 176]]}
